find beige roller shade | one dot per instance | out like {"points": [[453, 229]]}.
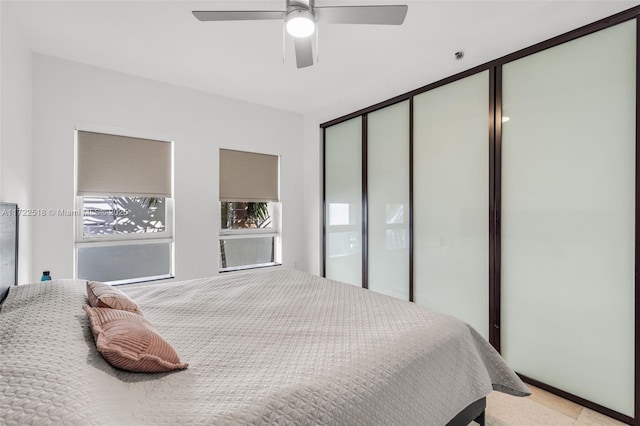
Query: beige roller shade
{"points": [[246, 176], [119, 165]]}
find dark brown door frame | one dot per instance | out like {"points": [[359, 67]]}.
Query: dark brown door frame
{"points": [[365, 201], [637, 242], [495, 147], [324, 202], [495, 167], [411, 124], [495, 143]]}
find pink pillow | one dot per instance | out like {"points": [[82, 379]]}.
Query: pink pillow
{"points": [[105, 296], [129, 342]]}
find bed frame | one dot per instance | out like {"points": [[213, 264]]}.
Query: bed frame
{"points": [[473, 413], [9, 216]]}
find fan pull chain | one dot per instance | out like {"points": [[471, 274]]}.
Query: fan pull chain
{"points": [[317, 42]]}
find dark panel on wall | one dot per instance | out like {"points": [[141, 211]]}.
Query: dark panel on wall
{"points": [[365, 211], [495, 139], [324, 206], [637, 236], [411, 200]]}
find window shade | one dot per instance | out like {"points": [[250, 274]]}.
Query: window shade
{"points": [[120, 165], [246, 176]]}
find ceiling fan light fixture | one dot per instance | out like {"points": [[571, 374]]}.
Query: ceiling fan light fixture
{"points": [[300, 23]]}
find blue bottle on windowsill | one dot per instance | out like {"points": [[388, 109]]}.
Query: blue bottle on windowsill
{"points": [[46, 276]]}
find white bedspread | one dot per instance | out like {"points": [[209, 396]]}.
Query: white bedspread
{"points": [[268, 347]]}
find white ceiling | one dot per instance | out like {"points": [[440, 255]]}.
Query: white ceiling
{"points": [[161, 40]]}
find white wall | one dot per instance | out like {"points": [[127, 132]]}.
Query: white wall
{"points": [[66, 93], [15, 128]]}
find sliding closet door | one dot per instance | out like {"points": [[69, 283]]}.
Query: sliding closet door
{"points": [[568, 205], [451, 193], [343, 201], [388, 200]]}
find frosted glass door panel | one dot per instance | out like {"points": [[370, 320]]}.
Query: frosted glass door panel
{"points": [[568, 196], [451, 193], [343, 201], [388, 200]]}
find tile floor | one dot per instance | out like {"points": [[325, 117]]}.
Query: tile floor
{"points": [[541, 409]]}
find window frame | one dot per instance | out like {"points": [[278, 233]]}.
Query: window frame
{"points": [[166, 236], [250, 233], [119, 240]]}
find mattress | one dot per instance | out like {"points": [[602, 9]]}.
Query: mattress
{"points": [[274, 346]]}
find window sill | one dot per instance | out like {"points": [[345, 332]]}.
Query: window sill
{"points": [[239, 235], [247, 267]]}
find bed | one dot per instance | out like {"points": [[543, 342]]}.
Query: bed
{"points": [[273, 346]]}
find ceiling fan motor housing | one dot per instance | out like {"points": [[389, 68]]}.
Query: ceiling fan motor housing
{"points": [[301, 21]]}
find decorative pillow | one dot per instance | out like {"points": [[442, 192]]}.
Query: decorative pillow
{"points": [[106, 296], [129, 342]]}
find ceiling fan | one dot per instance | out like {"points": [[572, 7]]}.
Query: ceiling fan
{"points": [[301, 18]]}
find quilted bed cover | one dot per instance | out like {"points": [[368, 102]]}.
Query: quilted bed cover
{"points": [[269, 347]]}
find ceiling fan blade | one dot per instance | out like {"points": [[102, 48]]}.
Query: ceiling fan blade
{"points": [[239, 15], [380, 15], [304, 52]]}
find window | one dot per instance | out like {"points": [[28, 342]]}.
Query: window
{"points": [[249, 210], [248, 236], [124, 205], [102, 216]]}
